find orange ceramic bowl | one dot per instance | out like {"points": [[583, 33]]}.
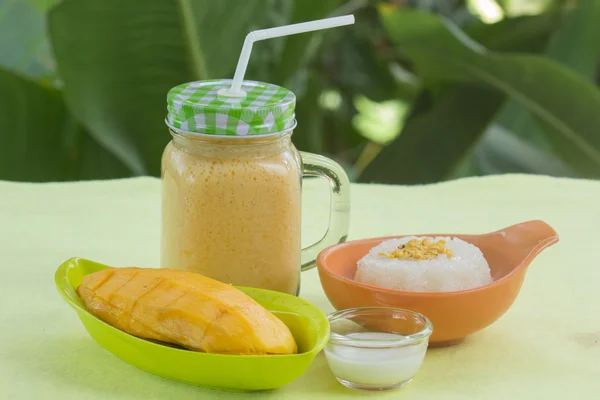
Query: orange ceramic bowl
{"points": [[454, 314]]}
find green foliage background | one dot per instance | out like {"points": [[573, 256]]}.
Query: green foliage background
{"points": [[417, 91]]}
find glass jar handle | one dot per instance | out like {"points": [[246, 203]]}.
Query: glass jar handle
{"points": [[339, 217]]}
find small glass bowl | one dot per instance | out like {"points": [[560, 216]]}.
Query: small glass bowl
{"points": [[377, 348]]}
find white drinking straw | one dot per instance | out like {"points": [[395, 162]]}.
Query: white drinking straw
{"points": [[262, 34]]}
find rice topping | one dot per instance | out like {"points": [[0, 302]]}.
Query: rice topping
{"points": [[424, 249]]}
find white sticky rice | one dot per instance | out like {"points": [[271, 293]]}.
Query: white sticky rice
{"points": [[466, 269]]}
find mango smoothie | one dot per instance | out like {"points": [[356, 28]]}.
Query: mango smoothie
{"points": [[233, 212]]}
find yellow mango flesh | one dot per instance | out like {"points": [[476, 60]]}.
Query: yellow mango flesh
{"points": [[186, 309]]}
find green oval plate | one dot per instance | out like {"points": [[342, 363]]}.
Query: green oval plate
{"points": [[308, 324]]}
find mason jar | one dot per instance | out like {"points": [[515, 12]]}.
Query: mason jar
{"points": [[232, 187]]}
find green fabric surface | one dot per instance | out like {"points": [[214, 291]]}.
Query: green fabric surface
{"points": [[547, 346]]}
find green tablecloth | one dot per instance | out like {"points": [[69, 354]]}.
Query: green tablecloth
{"points": [[547, 346]]}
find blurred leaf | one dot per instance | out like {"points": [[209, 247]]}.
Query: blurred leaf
{"points": [[295, 47], [344, 142], [516, 118], [267, 53], [488, 11], [353, 64], [44, 5], [355, 61], [574, 44], [529, 34], [341, 140], [502, 152], [23, 39], [321, 128], [469, 167], [439, 133], [379, 122], [407, 85], [520, 34], [515, 8], [40, 141], [444, 53], [447, 8], [119, 59], [308, 135], [502, 4]]}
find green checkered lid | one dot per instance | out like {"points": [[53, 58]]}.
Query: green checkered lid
{"points": [[203, 107]]}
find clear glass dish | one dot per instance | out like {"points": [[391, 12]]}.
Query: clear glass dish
{"points": [[377, 348]]}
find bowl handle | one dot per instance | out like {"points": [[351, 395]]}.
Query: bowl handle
{"points": [[528, 238]]}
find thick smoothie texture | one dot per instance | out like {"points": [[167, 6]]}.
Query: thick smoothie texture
{"points": [[233, 213]]}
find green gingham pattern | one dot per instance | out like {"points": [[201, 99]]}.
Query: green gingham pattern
{"points": [[197, 107]]}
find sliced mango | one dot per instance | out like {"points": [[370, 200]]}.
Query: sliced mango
{"points": [[184, 308]]}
